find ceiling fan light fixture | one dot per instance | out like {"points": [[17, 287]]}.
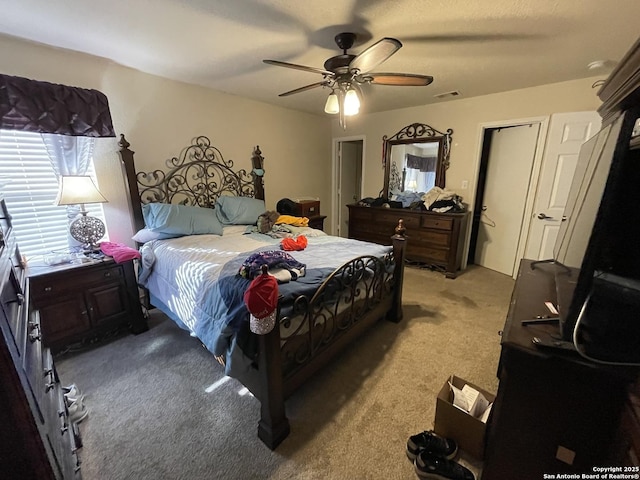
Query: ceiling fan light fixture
{"points": [[332, 106], [351, 103], [345, 73]]}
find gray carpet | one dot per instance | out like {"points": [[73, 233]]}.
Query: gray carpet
{"points": [[160, 407]]}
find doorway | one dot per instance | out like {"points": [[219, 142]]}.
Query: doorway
{"points": [[543, 178], [348, 167], [510, 155]]}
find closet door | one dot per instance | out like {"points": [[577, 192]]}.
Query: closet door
{"points": [[509, 169], [567, 133]]}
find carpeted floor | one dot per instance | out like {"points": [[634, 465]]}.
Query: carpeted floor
{"points": [[161, 407]]}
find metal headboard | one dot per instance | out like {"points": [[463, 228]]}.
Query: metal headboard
{"points": [[198, 177]]}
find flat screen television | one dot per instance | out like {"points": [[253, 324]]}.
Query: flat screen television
{"points": [[600, 237]]}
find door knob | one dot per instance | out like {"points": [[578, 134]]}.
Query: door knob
{"points": [[542, 216]]}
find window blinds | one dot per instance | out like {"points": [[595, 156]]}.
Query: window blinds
{"points": [[40, 226]]}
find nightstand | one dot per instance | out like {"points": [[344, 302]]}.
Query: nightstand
{"points": [[317, 221], [80, 302]]}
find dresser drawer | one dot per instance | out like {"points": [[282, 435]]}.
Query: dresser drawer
{"points": [[391, 217], [437, 223], [379, 228], [33, 365], [431, 238], [427, 254], [361, 214], [54, 285]]}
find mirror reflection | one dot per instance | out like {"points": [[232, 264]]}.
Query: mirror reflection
{"points": [[418, 164], [416, 159]]}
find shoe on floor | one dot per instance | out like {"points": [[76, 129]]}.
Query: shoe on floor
{"points": [[72, 393], [433, 443], [77, 411], [432, 467], [72, 390]]}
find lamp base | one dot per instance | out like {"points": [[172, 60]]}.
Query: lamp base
{"points": [[87, 230]]}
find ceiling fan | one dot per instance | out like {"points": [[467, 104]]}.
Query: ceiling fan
{"points": [[344, 73]]}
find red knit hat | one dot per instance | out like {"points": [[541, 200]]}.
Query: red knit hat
{"points": [[261, 299]]}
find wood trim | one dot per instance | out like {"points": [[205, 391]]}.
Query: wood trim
{"points": [[620, 90]]}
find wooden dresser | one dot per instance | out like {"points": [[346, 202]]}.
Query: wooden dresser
{"points": [[436, 239], [555, 412], [37, 440]]}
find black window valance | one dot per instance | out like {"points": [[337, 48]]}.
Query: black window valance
{"points": [[45, 107], [424, 164]]}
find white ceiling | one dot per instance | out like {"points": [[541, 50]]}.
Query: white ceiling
{"points": [[473, 46]]}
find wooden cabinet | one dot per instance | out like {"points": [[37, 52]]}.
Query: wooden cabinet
{"points": [[307, 208], [317, 221], [79, 302], [37, 439], [629, 438], [436, 239], [555, 412]]}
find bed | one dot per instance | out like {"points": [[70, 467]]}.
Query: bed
{"points": [[345, 287]]}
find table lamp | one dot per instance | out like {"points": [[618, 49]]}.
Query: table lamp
{"points": [[79, 190]]}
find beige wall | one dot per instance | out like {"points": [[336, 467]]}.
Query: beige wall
{"points": [[465, 117], [159, 117]]}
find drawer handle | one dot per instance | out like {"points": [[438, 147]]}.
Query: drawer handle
{"points": [[48, 371], [50, 386], [33, 337], [107, 274], [20, 299], [48, 289], [61, 413], [64, 430]]}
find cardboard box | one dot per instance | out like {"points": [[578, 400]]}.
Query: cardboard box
{"points": [[451, 422]]}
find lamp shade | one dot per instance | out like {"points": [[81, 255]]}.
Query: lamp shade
{"points": [[332, 106], [77, 189]]}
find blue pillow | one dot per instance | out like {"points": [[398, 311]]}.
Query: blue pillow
{"points": [[180, 219], [239, 210]]}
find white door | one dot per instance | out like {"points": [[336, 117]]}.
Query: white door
{"points": [[567, 133], [511, 157]]}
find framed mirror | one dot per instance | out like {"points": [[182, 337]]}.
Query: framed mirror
{"points": [[415, 159]]}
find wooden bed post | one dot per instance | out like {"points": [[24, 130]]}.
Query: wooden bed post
{"points": [[126, 156], [399, 243], [257, 161], [273, 427]]}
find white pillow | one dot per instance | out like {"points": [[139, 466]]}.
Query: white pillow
{"points": [[146, 235]]}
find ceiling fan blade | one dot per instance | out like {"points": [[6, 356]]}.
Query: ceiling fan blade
{"points": [[397, 79], [373, 56], [304, 68], [304, 89]]}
